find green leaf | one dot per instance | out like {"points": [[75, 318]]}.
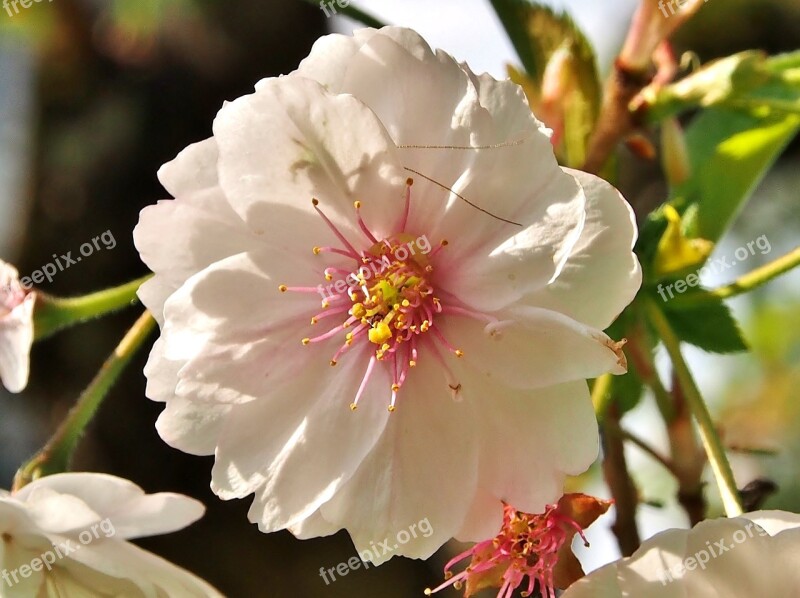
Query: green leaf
{"points": [[730, 152], [559, 61], [748, 81], [627, 390], [710, 326]]}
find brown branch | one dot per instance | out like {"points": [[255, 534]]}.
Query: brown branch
{"points": [[623, 489]]}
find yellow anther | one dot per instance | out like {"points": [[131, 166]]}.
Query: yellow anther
{"points": [[314, 321], [395, 387], [283, 288], [328, 276], [391, 408], [412, 364], [425, 326], [444, 243], [380, 333], [353, 406], [358, 310], [325, 305], [305, 341], [333, 362], [405, 303], [459, 353], [357, 204], [396, 307], [317, 250], [385, 347]]}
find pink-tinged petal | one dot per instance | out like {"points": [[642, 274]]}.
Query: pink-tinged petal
{"points": [[484, 518], [557, 424], [177, 238], [602, 274], [533, 348], [16, 339], [421, 469], [495, 276], [299, 444], [235, 309], [292, 141]]}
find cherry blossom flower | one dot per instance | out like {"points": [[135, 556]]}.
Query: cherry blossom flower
{"points": [[534, 546], [16, 329], [751, 555], [67, 535], [458, 378]]}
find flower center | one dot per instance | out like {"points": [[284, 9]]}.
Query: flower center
{"points": [[387, 300], [527, 545]]}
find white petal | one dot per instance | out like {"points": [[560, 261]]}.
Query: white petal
{"points": [[420, 472], [151, 574], [72, 501], [313, 526], [194, 169], [533, 348], [774, 522], [718, 557], [601, 275], [329, 59], [16, 339], [293, 141], [192, 426]]}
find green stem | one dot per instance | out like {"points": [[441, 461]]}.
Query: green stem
{"points": [[760, 276], [54, 314], [746, 283], [708, 433], [57, 453]]}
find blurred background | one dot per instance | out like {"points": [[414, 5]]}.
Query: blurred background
{"points": [[96, 94]]}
